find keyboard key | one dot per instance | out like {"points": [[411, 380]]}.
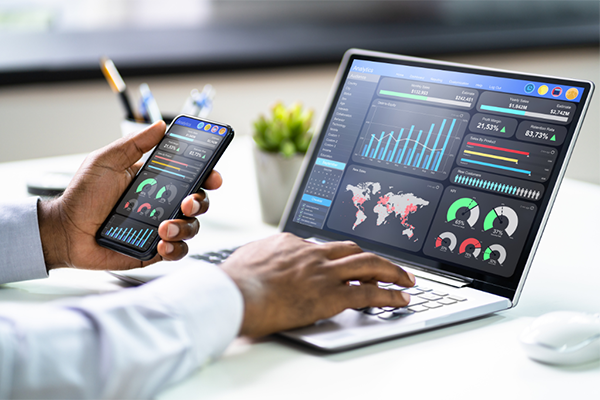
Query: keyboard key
{"points": [[413, 291], [432, 304], [447, 301], [423, 288], [416, 300], [389, 308], [374, 311], [457, 298], [430, 296], [384, 284], [418, 308], [392, 315], [396, 287], [439, 293]]}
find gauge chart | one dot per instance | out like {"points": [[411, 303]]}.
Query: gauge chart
{"points": [[480, 230], [470, 247], [464, 209], [502, 218], [446, 240], [495, 253], [167, 193]]}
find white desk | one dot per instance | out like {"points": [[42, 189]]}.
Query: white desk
{"points": [[481, 359]]}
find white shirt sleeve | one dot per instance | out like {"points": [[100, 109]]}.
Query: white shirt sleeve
{"points": [[128, 344], [21, 254]]}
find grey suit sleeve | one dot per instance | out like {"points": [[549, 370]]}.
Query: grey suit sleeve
{"points": [[21, 254]]}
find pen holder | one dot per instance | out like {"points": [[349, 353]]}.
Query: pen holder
{"points": [[129, 126]]}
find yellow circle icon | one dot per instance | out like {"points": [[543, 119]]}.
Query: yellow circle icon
{"points": [[572, 94], [543, 90]]}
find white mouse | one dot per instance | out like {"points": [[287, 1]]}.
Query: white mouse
{"points": [[563, 337]]}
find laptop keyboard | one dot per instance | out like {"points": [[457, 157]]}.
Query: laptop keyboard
{"points": [[422, 298]]}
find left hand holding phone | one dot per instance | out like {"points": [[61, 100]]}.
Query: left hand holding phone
{"points": [[69, 223]]}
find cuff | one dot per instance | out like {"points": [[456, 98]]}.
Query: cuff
{"points": [[209, 302], [21, 254]]}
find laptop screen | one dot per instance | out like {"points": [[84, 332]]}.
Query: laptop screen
{"points": [[439, 165]]}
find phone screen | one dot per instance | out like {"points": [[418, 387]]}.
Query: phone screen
{"points": [[177, 167]]}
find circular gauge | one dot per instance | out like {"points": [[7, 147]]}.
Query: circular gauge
{"points": [[131, 204], [446, 239], [470, 246], [145, 206], [464, 209], [156, 214], [147, 186], [495, 252], [167, 192], [502, 217]]}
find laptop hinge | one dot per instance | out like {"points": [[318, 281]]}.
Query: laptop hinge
{"points": [[429, 274]]}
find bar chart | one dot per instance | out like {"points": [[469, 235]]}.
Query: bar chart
{"points": [[130, 233], [415, 139]]}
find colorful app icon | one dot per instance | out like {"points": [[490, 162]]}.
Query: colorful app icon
{"points": [[529, 88], [200, 125], [557, 91], [214, 129], [572, 94], [222, 131], [543, 90], [207, 127]]}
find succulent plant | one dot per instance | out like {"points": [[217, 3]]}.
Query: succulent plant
{"points": [[287, 132]]}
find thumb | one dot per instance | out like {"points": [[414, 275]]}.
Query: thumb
{"points": [[124, 153]]}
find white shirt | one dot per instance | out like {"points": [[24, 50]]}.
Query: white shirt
{"points": [[128, 344]]}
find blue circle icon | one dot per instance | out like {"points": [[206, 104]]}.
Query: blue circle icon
{"points": [[200, 125], [529, 88]]}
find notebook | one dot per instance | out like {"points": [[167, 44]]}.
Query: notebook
{"points": [[448, 170]]}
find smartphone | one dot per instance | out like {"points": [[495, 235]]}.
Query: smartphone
{"points": [[176, 168]]}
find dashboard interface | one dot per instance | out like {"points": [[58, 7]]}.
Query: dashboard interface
{"points": [[167, 177], [440, 165]]}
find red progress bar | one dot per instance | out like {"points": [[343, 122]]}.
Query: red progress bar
{"points": [[166, 159], [498, 148]]}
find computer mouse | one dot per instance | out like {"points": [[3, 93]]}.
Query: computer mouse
{"points": [[563, 338]]}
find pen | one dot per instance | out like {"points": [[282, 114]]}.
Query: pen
{"points": [[150, 104], [117, 84]]}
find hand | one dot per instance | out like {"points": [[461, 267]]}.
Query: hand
{"points": [[288, 282], [69, 223]]}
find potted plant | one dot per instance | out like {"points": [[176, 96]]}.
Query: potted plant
{"points": [[281, 143]]}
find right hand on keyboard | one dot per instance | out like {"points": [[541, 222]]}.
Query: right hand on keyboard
{"points": [[288, 282]]}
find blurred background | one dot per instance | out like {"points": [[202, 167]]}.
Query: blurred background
{"points": [[54, 100]]}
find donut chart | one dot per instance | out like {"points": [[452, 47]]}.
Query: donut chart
{"points": [[148, 186], [495, 252], [168, 192], [464, 209], [446, 239], [502, 217], [470, 246]]}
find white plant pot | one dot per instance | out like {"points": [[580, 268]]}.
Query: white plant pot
{"points": [[275, 176]]}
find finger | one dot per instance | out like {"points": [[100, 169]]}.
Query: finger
{"points": [[335, 250], [195, 204], [373, 296], [368, 267], [123, 153], [172, 251], [214, 181], [136, 167], [179, 229]]}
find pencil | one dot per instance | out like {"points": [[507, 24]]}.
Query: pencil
{"points": [[118, 85]]}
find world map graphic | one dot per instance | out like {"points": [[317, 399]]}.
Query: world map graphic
{"points": [[368, 198]]}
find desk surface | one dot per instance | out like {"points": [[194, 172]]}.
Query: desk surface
{"points": [[478, 359]]}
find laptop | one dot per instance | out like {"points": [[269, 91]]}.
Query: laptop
{"points": [[448, 170]]}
